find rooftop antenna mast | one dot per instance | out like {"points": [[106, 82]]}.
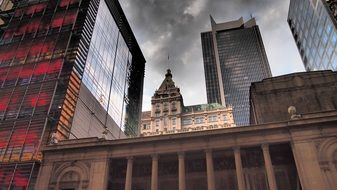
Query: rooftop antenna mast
{"points": [[168, 61]]}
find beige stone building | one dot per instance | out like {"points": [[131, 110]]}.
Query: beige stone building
{"points": [[294, 153], [169, 115]]}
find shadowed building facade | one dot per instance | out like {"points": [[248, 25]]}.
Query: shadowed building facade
{"points": [[234, 57], [293, 154], [169, 114], [69, 69], [308, 92], [314, 28]]}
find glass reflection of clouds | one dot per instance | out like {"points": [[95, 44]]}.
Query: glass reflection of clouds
{"points": [[315, 34], [106, 69]]}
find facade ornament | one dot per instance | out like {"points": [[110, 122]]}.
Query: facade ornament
{"points": [[293, 113]]}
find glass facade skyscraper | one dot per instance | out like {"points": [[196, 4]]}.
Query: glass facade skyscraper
{"points": [[234, 57], [61, 62], [313, 25]]}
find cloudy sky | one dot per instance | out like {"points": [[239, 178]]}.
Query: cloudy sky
{"points": [[173, 27]]}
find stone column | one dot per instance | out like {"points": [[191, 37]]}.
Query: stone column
{"points": [[182, 177], [99, 174], [43, 179], [128, 178], [210, 170], [238, 167], [154, 174], [307, 164], [269, 167]]}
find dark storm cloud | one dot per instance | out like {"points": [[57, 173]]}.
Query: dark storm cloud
{"points": [[173, 27]]}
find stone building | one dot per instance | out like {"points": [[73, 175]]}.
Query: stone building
{"points": [[308, 92], [293, 154], [169, 115]]}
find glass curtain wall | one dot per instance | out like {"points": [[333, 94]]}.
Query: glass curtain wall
{"points": [[284, 167], [224, 170], [253, 169], [106, 71], [195, 168], [315, 34], [34, 40], [141, 173], [117, 173], [168, 172]]}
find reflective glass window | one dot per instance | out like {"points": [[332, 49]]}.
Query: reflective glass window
{"points": [[107, 65]]}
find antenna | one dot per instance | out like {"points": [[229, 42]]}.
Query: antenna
{"points": [[168, 61]]}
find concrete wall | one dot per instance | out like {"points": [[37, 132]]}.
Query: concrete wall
{"points": [[90, 118]]}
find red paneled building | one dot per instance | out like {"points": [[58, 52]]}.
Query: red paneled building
{"points": [[43, 54]]}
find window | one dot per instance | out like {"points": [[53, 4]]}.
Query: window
{"points": [[225, 118], [165, 107], [212, 118], [146, 126], [157, 114], [199, 120], [173, 121], [157, 122], [187, 121], [173, 106], [165, 121]]}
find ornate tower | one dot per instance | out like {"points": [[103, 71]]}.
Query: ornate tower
{"points": [[167, 104]]}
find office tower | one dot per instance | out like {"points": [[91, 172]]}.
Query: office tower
{"points": [[169, 114], [234, 57], [68, 69], [313, 25]]}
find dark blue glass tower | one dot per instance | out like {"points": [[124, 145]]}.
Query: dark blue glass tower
{"points": [[234, 57]]}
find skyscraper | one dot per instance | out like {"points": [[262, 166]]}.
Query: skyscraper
{"points": [[234, 57], [313, 25], [68, 69]]}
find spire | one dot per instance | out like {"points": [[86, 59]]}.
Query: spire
{"points": [[168, 73], [168, 82]]}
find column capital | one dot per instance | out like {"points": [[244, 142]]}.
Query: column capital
{"points": [[208, 150], [265, 147], [154, 156], [181, 154], [236, 149], [129, 158]]}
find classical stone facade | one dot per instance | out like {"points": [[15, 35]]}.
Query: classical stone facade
{"points": [[293, 154], [308, 92], [169, 115]]}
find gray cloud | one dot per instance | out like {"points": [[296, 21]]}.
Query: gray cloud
{"points": [[173, 27]]}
